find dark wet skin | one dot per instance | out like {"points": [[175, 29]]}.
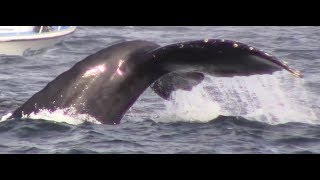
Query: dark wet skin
{"points": [[106, 84]]}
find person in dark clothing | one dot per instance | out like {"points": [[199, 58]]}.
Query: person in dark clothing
{"points": [[44, 28]]}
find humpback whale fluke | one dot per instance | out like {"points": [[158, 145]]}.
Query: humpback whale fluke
{"points": [[106, 84]]}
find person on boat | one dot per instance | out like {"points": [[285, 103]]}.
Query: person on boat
{"points": [[44, 28]]}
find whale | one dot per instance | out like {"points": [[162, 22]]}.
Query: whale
{"points": [[107, 83]]}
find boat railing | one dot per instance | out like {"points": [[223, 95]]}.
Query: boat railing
{"points": [[55, 28]]}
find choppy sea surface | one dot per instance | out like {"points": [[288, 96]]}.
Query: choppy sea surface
{"points": [[275, 113]]}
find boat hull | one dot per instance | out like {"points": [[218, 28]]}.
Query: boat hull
{"points": [[27, 48], [29, 45]]}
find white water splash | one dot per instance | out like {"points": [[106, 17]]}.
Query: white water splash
{"points": [[193, 106], [68, 115], [274, 99], [5, 117]]}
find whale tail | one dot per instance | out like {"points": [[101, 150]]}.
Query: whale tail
{"points": [[106, 84]]}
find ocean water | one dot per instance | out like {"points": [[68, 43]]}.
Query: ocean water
{"points": [[275, 113]]}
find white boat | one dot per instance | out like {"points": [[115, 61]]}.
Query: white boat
{"points": [[30, 40]]}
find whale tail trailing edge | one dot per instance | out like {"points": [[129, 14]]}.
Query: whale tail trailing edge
{"points": [[107, 83]]}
